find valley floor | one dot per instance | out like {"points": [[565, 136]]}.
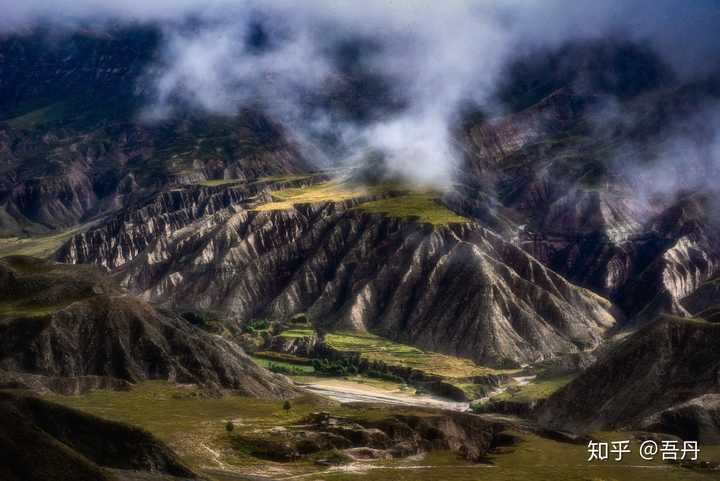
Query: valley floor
{"points": [[193, 423], [360, 390]]}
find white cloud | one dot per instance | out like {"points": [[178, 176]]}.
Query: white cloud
{"points": [[437, 54]]}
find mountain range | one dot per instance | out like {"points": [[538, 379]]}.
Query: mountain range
{"points": [[564, 244]]}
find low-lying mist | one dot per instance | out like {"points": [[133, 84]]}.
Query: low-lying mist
{"points": [[351, 78]]}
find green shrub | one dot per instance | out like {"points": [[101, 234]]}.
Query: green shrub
{"points": [[338, 367], [285, 369], [255, 325]]}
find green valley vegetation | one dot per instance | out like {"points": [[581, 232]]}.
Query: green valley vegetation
{"points": [[347, 354], [283, 367], [297, 333], [378, 349], [256, 325], [289, 178], [521, 398], [350, 367]]}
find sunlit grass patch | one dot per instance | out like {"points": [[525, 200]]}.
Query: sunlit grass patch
{"points": [[535, 389], [42, 246], [296, 333], [283, 356], [285, 178], [218, 182], [330, 191], [14, 310], [424, 206], [399, 200], [376, 348]]}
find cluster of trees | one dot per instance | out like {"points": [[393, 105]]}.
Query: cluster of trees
{"points": [[384, 374], [338, 367], [350, 367], [285, 369], [275, 327]]}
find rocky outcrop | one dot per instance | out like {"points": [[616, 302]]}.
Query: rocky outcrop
{"points": [[74, 332], [308, 346], [655, 379], [697, 419], [39, 440], [393, 436], [135, 229], [457, 289], [687, 257], [704, 301]]}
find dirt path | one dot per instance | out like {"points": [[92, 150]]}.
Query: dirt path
{"points": [[519, 381], [349, 391]]}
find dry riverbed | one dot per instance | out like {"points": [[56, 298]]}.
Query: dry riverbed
{"points": [[345, 390]]}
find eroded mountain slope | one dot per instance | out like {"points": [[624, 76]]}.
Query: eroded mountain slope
{"points": [[455, 288], [68, 327]]}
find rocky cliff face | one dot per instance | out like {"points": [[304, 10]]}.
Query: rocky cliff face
{"points": [[388, 436], [456, 288], [83, 329]]}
